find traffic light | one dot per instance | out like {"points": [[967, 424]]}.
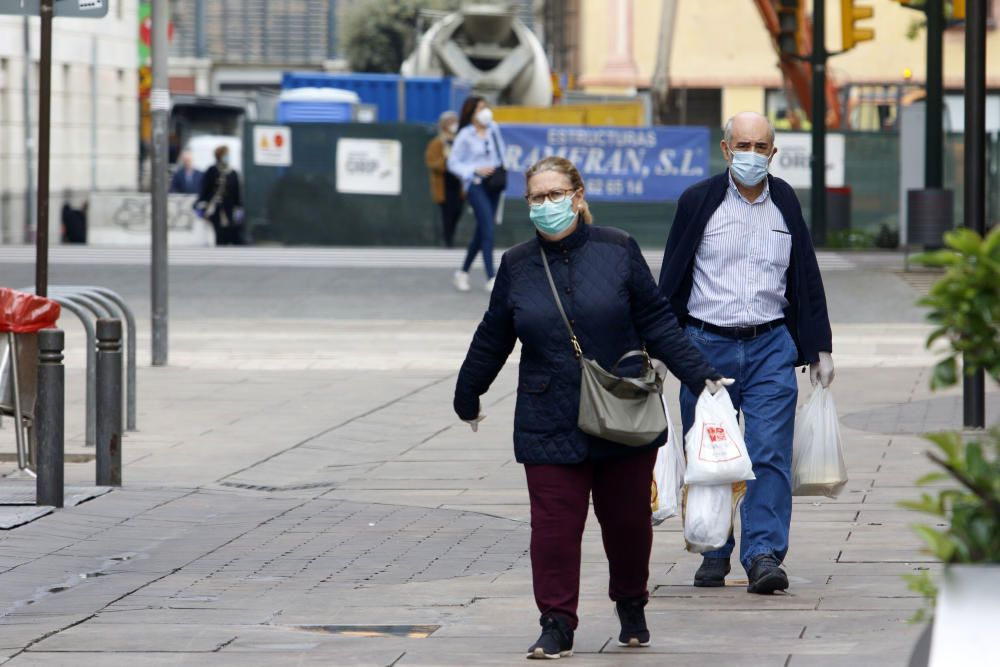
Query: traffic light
{"points": [[958, 10], [789, 23], [849, 15]]}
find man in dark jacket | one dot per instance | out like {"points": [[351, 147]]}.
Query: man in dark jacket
{"points": [[740, 272], [220, 201]]}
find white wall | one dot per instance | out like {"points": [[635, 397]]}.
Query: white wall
{"points": [[72, 152]]}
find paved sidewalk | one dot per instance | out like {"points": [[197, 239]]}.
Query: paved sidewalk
{"points": [[310, 499]]}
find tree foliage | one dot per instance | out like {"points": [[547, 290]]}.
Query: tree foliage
{"points": [[381, 34]]}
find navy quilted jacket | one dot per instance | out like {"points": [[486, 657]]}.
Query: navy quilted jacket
{"points": [[614, 306]]}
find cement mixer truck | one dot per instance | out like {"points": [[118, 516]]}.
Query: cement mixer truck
{"points": [[488, 46]]}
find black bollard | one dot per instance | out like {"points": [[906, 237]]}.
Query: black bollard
{"points": [[49, 420], [109, 402]]}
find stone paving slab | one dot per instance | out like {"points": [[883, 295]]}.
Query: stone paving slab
{"points": [[13, 516]]}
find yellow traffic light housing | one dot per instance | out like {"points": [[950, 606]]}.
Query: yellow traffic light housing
{"points": [[849, 15], [958, 10]]}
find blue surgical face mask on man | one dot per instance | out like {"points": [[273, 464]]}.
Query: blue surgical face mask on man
{"points": [[748, 167], [553, 219]]}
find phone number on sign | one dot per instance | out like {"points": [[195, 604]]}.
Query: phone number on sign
{"points": [[614, 187]]}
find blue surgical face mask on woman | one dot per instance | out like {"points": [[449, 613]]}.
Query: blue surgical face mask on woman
{"points": [[552, 218], [748, 167]]}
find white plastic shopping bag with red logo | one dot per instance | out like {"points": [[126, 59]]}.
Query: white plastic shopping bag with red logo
{"points": [[716, 453]]}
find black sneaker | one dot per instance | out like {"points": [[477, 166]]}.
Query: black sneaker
{"points": [[633, 619], [556, 640], [712, 573], [766, 576]]}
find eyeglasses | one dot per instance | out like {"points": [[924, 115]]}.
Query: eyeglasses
{"points": [[554, 196]]}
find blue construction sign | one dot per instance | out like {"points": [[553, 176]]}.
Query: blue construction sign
{"points": [[616, 163]]}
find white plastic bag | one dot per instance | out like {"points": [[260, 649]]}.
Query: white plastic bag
{"points": [[716, 453], [668, 476], [708, 517], [818, 467]]}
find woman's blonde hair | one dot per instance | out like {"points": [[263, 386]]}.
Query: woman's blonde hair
{"points": [[566, 168]]}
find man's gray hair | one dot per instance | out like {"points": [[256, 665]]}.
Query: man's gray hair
{"points": [[727, 133]]}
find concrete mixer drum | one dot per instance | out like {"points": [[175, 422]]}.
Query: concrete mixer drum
{"points": [[488, 46]]}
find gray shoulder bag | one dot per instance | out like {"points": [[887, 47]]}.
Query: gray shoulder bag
{"points": [[625, 410]]}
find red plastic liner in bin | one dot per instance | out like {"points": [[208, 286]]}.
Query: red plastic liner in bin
{"points": [[22, 312]]}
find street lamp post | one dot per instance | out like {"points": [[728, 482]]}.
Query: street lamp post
{"points": [[159, 102], [974, 387], [817, 202], [47, 10]]}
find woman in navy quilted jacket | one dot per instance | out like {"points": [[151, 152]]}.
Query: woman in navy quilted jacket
{"points": [[614, 306]]}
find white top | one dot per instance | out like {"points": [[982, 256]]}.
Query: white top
{"points": [[741, 266]]}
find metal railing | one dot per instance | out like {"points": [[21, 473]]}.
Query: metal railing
{"points": [[91, 303]]}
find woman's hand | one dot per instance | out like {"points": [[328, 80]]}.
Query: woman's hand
{"points": [[485, 171], [474, 423]]}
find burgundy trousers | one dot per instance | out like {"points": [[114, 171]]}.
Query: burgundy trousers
{"points": [[560, 496]]}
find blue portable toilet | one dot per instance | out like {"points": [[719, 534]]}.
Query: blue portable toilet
{"points": [[316, 105], [381, 90]]}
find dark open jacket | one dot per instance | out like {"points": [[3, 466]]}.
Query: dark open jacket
{"points": [[232, 197], [613, 304], [806, 314]]}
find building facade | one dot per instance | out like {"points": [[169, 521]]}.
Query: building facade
{"points": [[711, 59], [94, 112]]}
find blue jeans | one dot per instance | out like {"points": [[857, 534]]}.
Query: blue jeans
{"points": [[765, 392], [484, 206]]}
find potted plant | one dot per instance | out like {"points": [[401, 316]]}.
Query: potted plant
{"points": [[965, 307]]}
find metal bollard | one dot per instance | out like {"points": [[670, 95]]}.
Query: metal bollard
{"points": [[49, 418], [109, 402]]}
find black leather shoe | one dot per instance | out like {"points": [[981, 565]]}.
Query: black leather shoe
{"points": [[766, 576], [712, 573], [556, 640]]}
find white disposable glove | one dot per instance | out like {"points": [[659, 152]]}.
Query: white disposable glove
{"points": [[822, 371], [715, 386], [474, 423]]}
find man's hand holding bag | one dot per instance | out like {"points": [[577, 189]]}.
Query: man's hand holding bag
{"points": [[716, 452]]}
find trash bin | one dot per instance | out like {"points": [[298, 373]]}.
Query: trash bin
{"points": [[838, 210], [930, 214], [22, 316]]}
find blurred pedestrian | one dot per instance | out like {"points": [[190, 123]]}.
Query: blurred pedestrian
{"points": [[446, 189], [186, 179], [477, 160], [612, 305], [740, 272], [220, 200], [74, 221]]}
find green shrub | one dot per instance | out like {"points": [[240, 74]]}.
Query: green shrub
{"points": [[965, 307]]}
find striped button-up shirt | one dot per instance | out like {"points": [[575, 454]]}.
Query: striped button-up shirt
{"points": [[740, 269]]}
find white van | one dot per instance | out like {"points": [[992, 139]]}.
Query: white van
{"points": [[203, 148]]}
